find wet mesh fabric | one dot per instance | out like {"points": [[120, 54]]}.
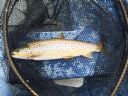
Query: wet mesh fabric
{"points": [[85, 21]]}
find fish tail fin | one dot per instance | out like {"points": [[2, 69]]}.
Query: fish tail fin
{"points": [[101, 45]]}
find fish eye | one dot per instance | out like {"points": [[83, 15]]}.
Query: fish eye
{"points": [[17, 50]]}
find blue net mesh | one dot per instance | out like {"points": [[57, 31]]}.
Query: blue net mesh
{"points": [[78, 20]]}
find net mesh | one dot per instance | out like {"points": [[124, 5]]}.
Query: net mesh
{"points": [[85, 21]]}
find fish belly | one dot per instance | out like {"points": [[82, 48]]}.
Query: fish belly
{"points": [[58, 54]]}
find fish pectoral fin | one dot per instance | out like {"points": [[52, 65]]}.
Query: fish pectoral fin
{"points": [[33, 56], [36, 57], [89, 55]]}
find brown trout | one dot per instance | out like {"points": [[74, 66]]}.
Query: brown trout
{"points": [[56, 49]]}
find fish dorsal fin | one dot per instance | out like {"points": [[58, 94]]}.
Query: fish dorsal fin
{"points": [[61, 36]]}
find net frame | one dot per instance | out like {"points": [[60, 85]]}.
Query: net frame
{"points": [[9, 4], [6, 13]]}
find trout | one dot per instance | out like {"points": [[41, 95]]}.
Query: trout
{"points": [[56, 49]]}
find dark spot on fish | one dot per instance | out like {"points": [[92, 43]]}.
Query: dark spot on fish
{"points": [[17, 50]]}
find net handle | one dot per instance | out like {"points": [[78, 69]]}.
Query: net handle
{"points": [[7, 8]]}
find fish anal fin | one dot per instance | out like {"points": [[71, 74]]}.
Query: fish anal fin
{"points": [[88, 55], [37, 58], [68, 57]]}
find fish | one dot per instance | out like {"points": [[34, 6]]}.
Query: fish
{"points": [[56, 48]]}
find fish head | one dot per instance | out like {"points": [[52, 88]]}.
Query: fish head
{"points": [[21, 53]]}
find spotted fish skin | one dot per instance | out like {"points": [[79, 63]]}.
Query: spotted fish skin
{"points": [[56, 49]]}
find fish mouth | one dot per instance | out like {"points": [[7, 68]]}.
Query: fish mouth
{"points": [[13, 54], [17, 56]]}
